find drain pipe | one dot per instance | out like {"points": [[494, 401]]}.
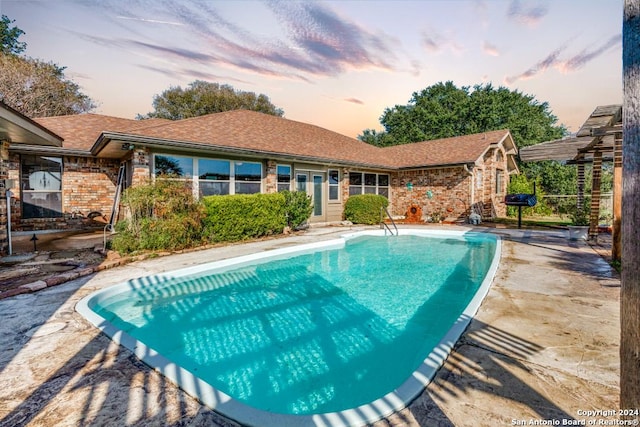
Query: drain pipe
{"points": [[9, 194]]}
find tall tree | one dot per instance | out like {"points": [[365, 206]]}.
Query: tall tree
{"points": [[630, 291], [35, 88], [9, 37], [201, 98], [444, 110], [39, 89]]}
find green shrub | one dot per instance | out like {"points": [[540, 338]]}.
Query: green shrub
{"points": [[297, 208], [519, 184], [238, 217], [364, 208], [162, 215]]}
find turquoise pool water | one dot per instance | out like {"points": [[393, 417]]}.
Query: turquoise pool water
{"points": [[317, 332]]}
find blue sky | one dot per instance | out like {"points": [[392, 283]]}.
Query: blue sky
{"points": [[335, 64]]}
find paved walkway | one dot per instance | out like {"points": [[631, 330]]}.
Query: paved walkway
{"points": [[544, 345]]}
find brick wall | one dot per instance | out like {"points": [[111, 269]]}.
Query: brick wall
{"points": [[88, 185], [443, 191]]}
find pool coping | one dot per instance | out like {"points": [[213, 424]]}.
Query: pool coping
{"points": [[247, 415]]}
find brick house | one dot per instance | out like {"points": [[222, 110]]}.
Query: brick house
{"points": [[63, 170]]}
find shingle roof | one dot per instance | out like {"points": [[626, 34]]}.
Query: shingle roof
{"points": [[447, 151], [250, 130], [258, 132], [80, 131]]}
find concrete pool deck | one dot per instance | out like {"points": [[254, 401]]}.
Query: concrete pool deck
{"points": [[544, 345]]}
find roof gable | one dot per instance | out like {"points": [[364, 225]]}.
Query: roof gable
{"points": [[448, 151]]}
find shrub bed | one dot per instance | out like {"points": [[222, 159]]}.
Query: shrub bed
{"points": [[364, 208], [239, 217]]}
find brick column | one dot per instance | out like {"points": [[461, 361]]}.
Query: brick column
{"points": [[271, 178], [4, 174], [140, 166]]}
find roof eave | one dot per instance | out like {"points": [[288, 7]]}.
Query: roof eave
{"points": [[107, 137]]}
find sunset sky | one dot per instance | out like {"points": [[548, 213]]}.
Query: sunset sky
{"points": [[335, 64]]}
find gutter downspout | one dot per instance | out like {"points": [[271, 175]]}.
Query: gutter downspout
{"points": [[472, 187]]}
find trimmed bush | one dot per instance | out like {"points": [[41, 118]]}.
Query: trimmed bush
{"points": [[237, 217], [364, 208], [297, 208], [162, 215]]}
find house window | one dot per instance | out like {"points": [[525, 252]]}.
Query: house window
{"points": [[479, 179], [334, 184], [284, 177], [173, 166], [41, 184], [248, 177], [214, 177], [368, 183], [499, 181]]}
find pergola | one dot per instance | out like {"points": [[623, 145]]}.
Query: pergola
{"points": [[598, 140]]}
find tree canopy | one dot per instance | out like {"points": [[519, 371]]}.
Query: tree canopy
{"points": [[444, 110], [34, 87], [201, 97], [39, 89], [9, 36]]}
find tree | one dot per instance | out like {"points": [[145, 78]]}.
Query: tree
{"points": [[39, 89], [34, 87], [630, 290], [201, 98], [10, 35], [444, 110]]}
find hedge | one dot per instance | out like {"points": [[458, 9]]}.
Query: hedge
{"points": [[238, 217], [364, 208]]}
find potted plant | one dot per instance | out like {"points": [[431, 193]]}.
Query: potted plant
{"points": [[579, 228]]}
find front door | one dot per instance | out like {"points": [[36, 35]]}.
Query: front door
{"points": [[313, 183]]}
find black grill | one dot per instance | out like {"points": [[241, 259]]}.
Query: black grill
{"points": [[520, 200]]}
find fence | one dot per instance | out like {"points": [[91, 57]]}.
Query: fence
{"points": [[561, 205]]}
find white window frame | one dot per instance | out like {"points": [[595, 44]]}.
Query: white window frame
{"points": [[195, 176], [363, 187], [336, 186], [282, 183]]}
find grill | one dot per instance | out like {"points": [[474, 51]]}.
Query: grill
{"points": [[520, 200]]}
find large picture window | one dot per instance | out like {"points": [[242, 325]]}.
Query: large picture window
{"points": [[211, 176], [214, 177], [173, 166], [368, 183], [41, 186], [248, 177]]}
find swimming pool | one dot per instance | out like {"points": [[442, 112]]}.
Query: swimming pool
{"points": [[331, 333]]}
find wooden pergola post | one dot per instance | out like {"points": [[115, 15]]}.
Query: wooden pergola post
{"points": [[616, 247], [594, 211]]}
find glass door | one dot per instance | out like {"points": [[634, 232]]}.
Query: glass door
{"points": [[313, 184]]}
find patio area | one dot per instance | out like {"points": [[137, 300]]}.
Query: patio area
{"points": [[543, 346]]}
